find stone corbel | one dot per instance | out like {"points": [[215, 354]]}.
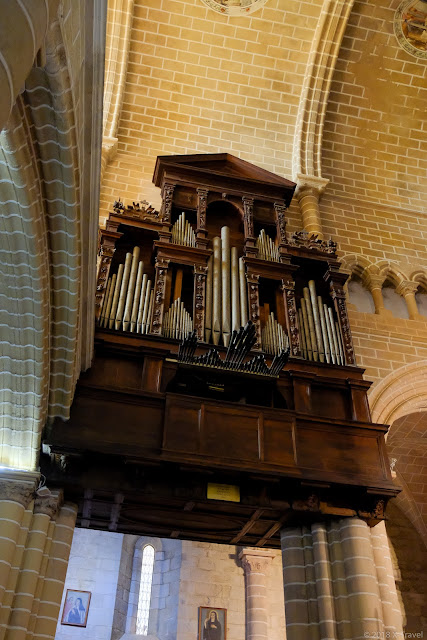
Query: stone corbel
{"points": [[18, 486], [308, 192], [407, 289]]}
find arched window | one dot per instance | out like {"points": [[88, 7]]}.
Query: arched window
{"points": [[147, 568]]}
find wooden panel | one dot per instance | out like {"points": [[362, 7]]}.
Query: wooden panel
{"points": [[340, 452], [330, 403], [102, 424], [113, 371], [230, 433], [279, 442], [182, 424]]}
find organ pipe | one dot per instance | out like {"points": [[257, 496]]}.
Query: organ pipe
{"points": [[177, 322], [129, 297], [226, 291], [226, 288], [267, 250], [320, 335], [208, 313], [182, 232], [273, 337]]}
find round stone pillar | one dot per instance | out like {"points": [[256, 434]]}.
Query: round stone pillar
{"points": [[16, 492], [256, 563]]}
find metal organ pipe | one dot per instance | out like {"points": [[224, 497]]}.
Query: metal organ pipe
{"points": [[243, 293], [216, 293], [208, 313], [235, 298], [182, 232], [226, 288], [131, 289], [267, 250], [111, 322], [320, 334], [105, 302], [123, 291], [177, 322], [273, 337]]}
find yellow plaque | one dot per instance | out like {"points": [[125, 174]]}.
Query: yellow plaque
{"points": [[228, 492]]}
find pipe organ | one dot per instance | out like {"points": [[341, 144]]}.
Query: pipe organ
{"points": [[224, 355]]}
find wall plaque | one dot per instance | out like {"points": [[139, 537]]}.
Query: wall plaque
{"points": [[410, 27], [234, 7], [228, 492]]}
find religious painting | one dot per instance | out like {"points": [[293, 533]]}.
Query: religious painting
{"points": [[76, 608], [212, 623], [234, 7], [410, 27]]}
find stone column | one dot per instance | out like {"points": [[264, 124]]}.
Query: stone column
{"points": [[256, 563], [338, 582], [51, 594], [407, 289], [308, 193], [16, 492], [45, 509], [374, 284]]}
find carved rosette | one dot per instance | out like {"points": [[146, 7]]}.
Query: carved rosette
{"points": [[288, 287], [253, 297], [200, 273], [202, 204], [159, 295], [310, 241], [106, 253], [248, 216], [167, 197], [338, 295], [280, 221]]}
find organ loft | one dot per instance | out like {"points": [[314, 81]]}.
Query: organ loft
{"points": [[224, 403]]}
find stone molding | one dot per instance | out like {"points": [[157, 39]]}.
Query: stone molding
{"points": [[18, 486], [307, 182], [49, 504]]}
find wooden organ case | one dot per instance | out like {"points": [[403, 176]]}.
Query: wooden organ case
{"points": [[181, 397]]}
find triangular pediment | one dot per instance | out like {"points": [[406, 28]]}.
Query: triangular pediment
{"points": [[220, 164]]}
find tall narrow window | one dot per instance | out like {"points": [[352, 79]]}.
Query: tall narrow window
{"points": [[147, 567]]}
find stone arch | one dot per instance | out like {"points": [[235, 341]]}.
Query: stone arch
{"points": [[356, 263], [402, 392], [391, 272]]}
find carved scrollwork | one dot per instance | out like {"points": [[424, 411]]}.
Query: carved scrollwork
{"points": [[202, 203], [305, 240], [288, 287], [281, 221], [159, 294], [199, 299], [167, 197], [143, 210], [253, 290], [248, 216]]}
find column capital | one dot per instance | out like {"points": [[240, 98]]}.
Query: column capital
{"points": [[48, 503], [407, 287], [313, 184], [257, 560], [373, 280], [19, 486]]}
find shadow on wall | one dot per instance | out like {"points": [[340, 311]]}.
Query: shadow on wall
{"points": [[410, 563]]}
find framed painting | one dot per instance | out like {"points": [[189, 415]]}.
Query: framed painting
{"points": [[212, 623], [76, 608]]}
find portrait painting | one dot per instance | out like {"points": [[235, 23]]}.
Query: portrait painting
{"points": [[76, 608], [212, 623]]}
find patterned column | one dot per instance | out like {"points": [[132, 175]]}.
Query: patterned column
{"points": [[253, 298], [51, 594], [200, 273], [45, 509], [167, 197], [256, 563], [338, 582], [16, 493]]}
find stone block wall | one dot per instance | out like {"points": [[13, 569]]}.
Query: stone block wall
{"points": [[93, 566]]}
